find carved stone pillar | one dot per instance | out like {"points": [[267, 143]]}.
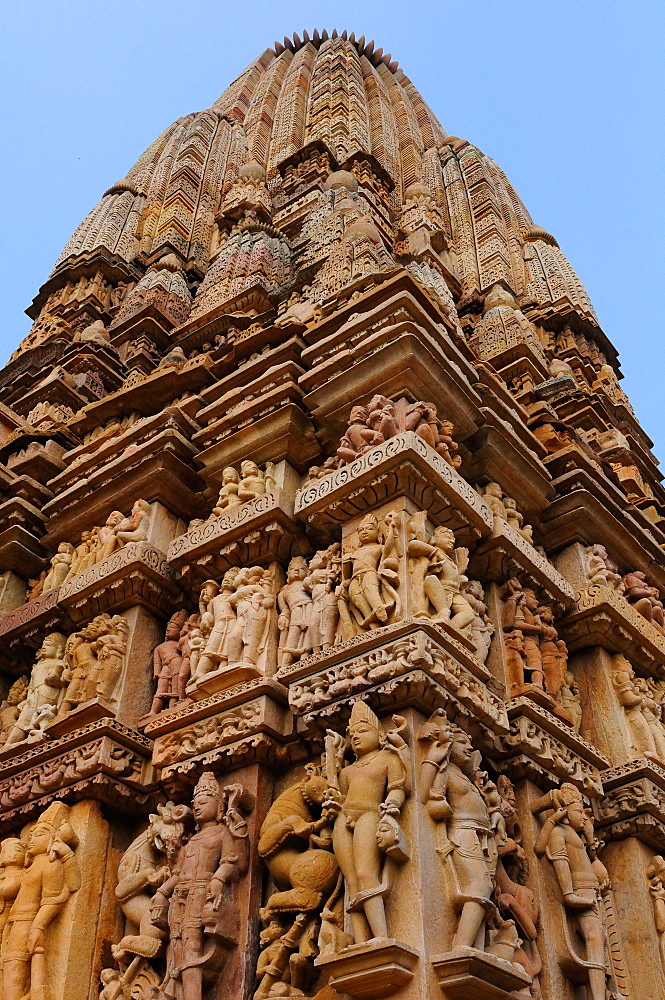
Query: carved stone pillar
{"points": [[627, 862]]}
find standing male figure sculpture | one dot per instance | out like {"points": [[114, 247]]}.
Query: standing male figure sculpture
{"points": [[448, 788], [566, 837], [51, 876], [367, 805], [197, 905]]}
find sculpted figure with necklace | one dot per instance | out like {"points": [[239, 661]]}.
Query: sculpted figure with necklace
{"points": [[366, 798]]}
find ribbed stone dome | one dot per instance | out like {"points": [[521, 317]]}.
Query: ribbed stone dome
{"points": [[337, 105]]}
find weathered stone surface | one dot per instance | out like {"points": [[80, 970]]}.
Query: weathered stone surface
{"points": [[332, 579]]}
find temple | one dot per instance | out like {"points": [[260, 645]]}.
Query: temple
{"points": [[332, 566]]}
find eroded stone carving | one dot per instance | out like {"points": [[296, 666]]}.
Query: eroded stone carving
{"points": [[11, 707], [95, 657], [60, 565], [467, 809], [144, 867], [238, 626], [656, 878], [196, 906], [643, 709], [168, 666], [101, 542], [296, 844], [600, 570], [644, 598], [240, 487], [534, 653], [370, 577], [505, 509]]}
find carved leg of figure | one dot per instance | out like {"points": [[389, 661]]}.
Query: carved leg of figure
{"points": [[183, 680], [470, 931], [367, 859], [534, 663], [463, 613], [592, 931], [14, 979], [440, 597], [192, 983], [367, 598], [343, 848]]}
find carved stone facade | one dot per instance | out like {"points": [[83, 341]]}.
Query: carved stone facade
{"points": [[332, 576]]}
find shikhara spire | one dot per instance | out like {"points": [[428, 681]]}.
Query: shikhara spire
{"points": [[331, 571]]}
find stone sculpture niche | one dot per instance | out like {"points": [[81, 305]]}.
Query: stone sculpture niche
{"points": [[38, 875], [505, 509], [308, 613], [239, 487], [178, 889], [295, 843], [101, 542], [10, 709], [365, 799], [44, 692], [382, 419], [642, 702], [95, 659], [644, 598]]}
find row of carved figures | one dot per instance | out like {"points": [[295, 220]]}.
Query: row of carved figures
{"points": [[96, 545], [68, 672], [332, 596], [333, 843]]}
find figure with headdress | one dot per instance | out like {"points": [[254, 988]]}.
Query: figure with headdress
{"points": [[567, 838], [294, 602], [51, 876], [368, 591], [322, 582], [45, 687], [254, 602], [218, 616], [167, 663], [197, 905], [448, 787], [366, 798]]}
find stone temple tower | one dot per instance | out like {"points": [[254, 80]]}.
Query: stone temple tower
{"points": [[332, 572]]}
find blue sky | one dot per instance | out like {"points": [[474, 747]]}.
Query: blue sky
{"points": [[567, 96]]}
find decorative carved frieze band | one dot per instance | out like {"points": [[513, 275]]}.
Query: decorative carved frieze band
{"points": [[259, 531], [323, 680], [258, 715], [402, 465], [602, 617], [633, 803], [257, 748], [507, 554], [543, 749], [105, 761], [138, 573]]}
